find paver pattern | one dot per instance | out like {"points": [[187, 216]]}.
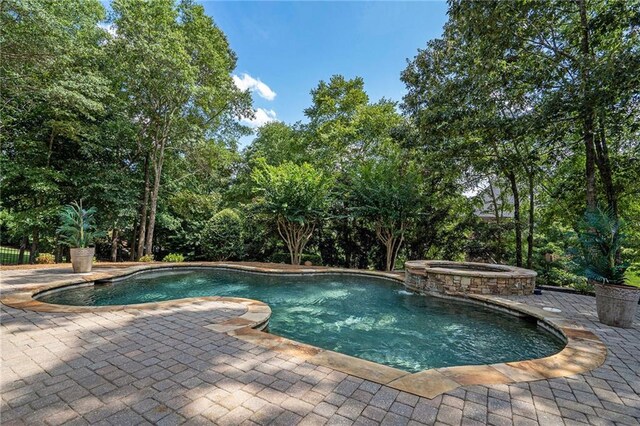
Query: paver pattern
{"points": [[163, 366]]}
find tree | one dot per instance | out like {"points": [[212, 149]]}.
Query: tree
{"points": [[174, 68], [296, 197], [52, 102], [387, 192], [471, 106], [344, 127], [582, 65], [276, 143], [223, 236]]}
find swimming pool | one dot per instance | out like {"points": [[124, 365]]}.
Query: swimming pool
{"points": [[363, 316]]}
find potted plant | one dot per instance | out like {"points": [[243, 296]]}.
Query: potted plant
{"points": [[78, 231], [601, 242]]}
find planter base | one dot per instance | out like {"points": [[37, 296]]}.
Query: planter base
{"points": [[617, 304], [82, 259]]}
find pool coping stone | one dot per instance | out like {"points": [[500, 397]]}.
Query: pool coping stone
{"points": [[583, 351]]}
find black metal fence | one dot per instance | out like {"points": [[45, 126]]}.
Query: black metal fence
{"points": [[13, 256]]}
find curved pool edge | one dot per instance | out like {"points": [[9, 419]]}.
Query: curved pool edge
{"points": [[583, 352]]}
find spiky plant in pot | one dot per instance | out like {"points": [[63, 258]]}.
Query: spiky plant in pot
{"points": [[78, 231], [601, 239]]}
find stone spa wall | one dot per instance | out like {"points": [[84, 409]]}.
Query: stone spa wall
{"points": [[443, 277]]}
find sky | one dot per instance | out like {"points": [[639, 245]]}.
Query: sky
{"points": [[284, 49]]}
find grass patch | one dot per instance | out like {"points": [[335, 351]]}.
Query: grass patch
{"points": [[633, 278]]}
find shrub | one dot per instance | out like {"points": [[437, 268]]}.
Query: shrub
{"points": [[286, 258], [146, 258], [45, 259], [556, 276], [223, 236], [583, 287], [173, 257]]}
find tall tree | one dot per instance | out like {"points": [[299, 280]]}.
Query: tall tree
{"points": [[175, 70], [387, 192]]}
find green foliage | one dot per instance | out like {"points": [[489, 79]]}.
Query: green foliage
{"points": [[78, 229], [583, 286], [223, 236], [45, 259], [296, 197], [315, 259], [555, 276], [386, 192], [601, 239], [633, 275], [100, 115], [490, 242], [146, 258], [291, 192], [173, 257]]}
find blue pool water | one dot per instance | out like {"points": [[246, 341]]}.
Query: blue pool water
{"points": [[367, 317]]}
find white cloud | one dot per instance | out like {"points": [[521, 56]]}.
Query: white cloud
{"points": [[246, 82], [261, 117]]}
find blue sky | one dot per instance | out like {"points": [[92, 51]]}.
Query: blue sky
{"points": [[286, 48]]}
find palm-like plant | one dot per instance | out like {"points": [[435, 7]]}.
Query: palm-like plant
{"points": [[78, 229], [601, 241]]}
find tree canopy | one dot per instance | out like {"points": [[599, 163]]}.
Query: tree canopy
{"points": [[518, 119]]}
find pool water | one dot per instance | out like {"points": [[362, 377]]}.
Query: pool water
{"points": [[367, 317]]}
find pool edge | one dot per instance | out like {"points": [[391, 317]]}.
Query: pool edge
{"points": [[583, 351]]}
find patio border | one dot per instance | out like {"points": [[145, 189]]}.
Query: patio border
{"points": [[583, 352]]}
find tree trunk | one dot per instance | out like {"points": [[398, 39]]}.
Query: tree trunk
{"points": [[57, 256], [587, 110], [497, 211], [132, 244], [23, 248], [391, 243], [516, 216], [158, 159], [590, 155], [114, 245], [604, 168], [531, 219], [296, 236], [59, 250], [34, 246], [143, 209], [348, 252]]}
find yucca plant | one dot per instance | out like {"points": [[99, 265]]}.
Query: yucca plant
{"points": [[601, 239], [78, 229]]}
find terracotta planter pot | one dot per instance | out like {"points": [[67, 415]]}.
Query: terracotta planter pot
{"points": [[82, 259], [617, 304]]}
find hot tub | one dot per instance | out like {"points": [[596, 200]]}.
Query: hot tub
{"points": [[444, 277]]}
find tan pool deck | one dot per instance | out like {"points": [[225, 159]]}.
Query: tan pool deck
{"points": [[202, 361]]}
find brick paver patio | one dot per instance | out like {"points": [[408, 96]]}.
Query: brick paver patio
{"points": [[162, 366]]}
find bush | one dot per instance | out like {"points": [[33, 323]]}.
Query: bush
{"points": [[559, 277], [223, 236], [286, 258], [173, 257], [146, 258], [45, 259], [584, 287]]}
